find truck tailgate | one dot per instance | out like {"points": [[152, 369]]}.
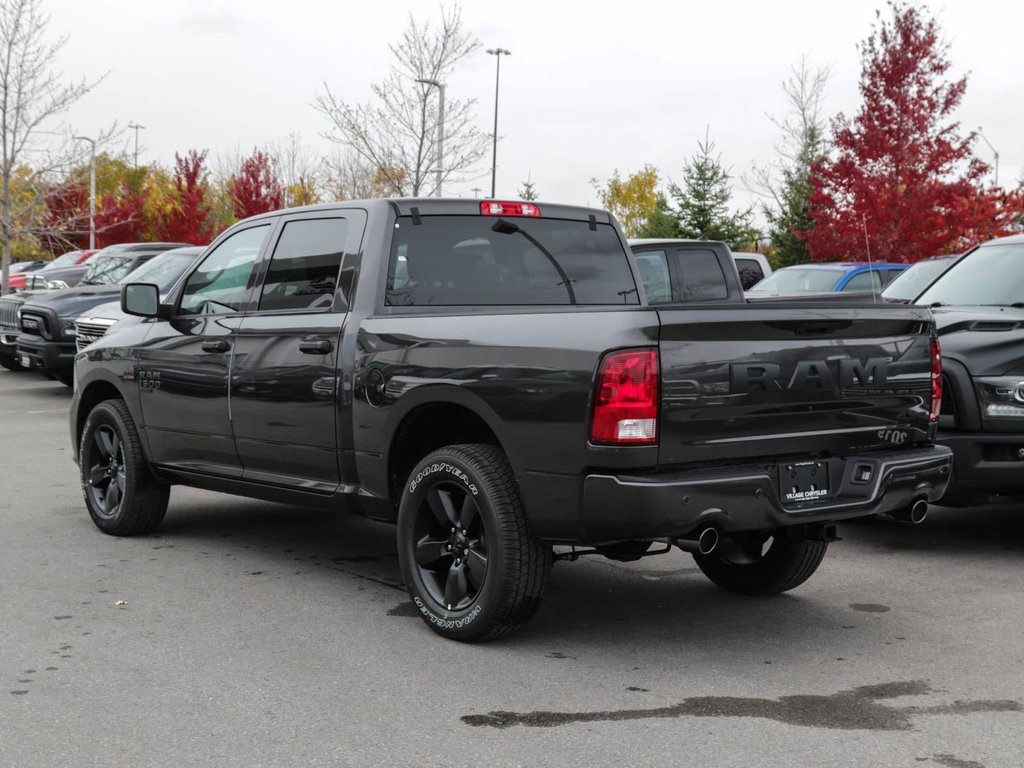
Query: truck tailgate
{"points": [[777, 381]]}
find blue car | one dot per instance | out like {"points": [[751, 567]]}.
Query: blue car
{"points": [[829, 277]]}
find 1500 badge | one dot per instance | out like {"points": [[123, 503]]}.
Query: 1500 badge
{"points": [[147, 379]]}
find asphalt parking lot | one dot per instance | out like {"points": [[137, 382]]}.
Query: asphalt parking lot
{"points": [[253, 634]]}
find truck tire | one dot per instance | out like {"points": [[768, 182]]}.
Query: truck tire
{"points": [[740, 563], [474, 569], [122, 496], [10, 363]]}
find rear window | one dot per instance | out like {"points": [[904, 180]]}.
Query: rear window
{"points": [[495, 261], [750, 272]]}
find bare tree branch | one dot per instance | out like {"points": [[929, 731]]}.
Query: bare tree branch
{"points": [[32, 96], [396, 132]]}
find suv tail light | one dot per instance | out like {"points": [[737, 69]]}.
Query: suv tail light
{"points": [[936, 381], [495, 208], [626, 399]]}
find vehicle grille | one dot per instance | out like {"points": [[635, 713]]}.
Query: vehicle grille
{"points": [[9, 312], [87, 333], [34, 323]]}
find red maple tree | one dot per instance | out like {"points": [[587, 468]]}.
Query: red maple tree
{"points": [[66, 220], [255, 188], [188, 219], [120, 218], [902, 181]]}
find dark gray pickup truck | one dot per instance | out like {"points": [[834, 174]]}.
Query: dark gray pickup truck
{"points": [[492, 377]]}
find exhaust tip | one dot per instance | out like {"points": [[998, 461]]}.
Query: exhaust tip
{"points": [[914, 513], [918, 511], [707, 541]]}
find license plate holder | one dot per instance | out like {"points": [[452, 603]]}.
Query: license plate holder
{"points": [[26, 361], [802, 482]]}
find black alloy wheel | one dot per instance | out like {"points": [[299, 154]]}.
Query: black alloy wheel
{"points": [[106, 472], [451, 545], [474, 569], [122, 495]]}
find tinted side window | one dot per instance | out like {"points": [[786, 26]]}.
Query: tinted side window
{"points": [[303, 271], [492, 261], [653, 266], [220, 283], [750, 272], [865, 281], [699, 275]]}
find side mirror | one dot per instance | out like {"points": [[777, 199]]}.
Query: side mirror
{"points": [[140, 299]]}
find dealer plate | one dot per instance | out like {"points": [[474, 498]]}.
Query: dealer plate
{"points": [[803, 481], [26, 361]]}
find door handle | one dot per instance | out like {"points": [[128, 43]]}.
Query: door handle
{"points": [[315, 346], [215, 345]]}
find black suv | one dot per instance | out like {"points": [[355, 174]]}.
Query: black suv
{"points": [[47, 322], [978, 305]]}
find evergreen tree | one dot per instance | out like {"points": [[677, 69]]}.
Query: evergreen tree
{"points": [[527, 192], [662, 222], [702, 201]]}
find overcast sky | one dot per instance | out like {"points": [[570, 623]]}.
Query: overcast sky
{"points": [[589, 87]]}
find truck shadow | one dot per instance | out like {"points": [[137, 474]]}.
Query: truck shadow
{"points": [[972, 531], [663, 601]]}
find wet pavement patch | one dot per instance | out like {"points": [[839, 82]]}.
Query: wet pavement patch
{"points": [[870, 607], [857, 709], [404, 609], [952, 762]]}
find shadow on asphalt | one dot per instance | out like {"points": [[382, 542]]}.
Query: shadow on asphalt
{"points": [[947, 529], [663, 600]]}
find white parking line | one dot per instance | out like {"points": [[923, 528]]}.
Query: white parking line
{"points": [[49, 410]]}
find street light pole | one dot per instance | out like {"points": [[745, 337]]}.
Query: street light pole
{"points": [[995, 152], [136, 127], [496, 52], [440, 131], [92, 189]]}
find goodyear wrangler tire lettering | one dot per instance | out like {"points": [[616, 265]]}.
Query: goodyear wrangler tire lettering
{"points": [[473, 568]]}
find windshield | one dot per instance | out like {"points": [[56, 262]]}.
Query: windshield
{"points": [[988, 275], [800, 279], [162, 270], [107, 270], [65, 260], [914, 280]]}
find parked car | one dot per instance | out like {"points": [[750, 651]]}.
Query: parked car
{"points": [[978, 305], [909, 284], [682, 271], [69, 268], [47, 341], [10, 328], [490, 376], [829, 277], [94, 323], [36, 280], [753, 267]]}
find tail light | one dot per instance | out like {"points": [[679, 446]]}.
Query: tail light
{"points": [[626, 400], [936, 381], [495, 208]]}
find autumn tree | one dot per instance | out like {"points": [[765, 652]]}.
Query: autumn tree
{"points": [[397, 131], [785, 184], [255, 187], [702, 207], [187, 219], [32, 96], [903, 182], [631, 200]]}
